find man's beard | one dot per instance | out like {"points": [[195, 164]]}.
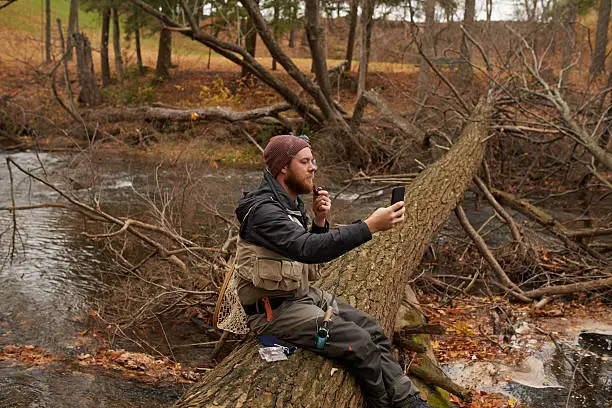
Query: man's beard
{"points": [[296, 185]]}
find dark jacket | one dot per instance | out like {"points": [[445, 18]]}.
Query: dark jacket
{"points": [[264, 216]]}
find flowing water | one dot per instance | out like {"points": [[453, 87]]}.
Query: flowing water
{"points": [[51, 273]]}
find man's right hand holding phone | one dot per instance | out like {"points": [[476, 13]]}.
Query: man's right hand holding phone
{"points": [[386, 218]]}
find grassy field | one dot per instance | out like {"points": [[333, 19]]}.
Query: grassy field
{"points": [[22, 40]]}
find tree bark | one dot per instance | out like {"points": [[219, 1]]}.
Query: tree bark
{"points": [[73, 26], [250, 43], [47, 31], [571, 10], [293, 23], [351, 34], [139, 63], [164, 54], [182, 115], [316, 39], [117, 44], [598, 61], [367, 23], [275, 30], [90, 93], [427, 45], [374, 280], [104, 63], [466, 72]]}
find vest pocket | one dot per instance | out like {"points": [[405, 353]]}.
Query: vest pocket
{"points": [[276, 274]]}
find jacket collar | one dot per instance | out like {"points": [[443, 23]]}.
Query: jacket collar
{"points": [[293, 207]]}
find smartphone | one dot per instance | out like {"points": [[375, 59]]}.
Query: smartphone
{"points": [[397, 194]]}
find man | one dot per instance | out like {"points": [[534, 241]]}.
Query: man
{"points": [[275, 261]]}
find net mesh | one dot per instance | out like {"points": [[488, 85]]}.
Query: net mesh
{"points": [[229, 314]]}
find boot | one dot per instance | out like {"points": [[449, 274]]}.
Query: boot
{"points": [[414, 401]]}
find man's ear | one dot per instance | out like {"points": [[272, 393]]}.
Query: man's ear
{"points": [[284, 170]]}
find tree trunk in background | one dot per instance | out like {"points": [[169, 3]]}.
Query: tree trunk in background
{"points": [[90, 93], [294, 20], [138, 51], [569, 21], [275, 28], [367, 23], [164, 54], [47, 31], [351, 34], [375, 279], [250, 44], [316, 42], [466, 72], [427, 45], [117, 44], [104, 64], [73, 25], [489, 14], [598, 61]]}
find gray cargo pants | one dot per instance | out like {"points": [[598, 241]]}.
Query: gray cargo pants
{"points": [[355, 339]]}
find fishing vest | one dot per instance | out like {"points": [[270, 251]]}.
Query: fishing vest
{"points": [[261, 272]]}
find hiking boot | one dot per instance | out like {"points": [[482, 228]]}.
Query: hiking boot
{"points": [[414, 401]]}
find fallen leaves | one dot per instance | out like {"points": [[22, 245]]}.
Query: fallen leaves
{"points": [[145, 366], [482, 399], [26, 354], [133, 364]]}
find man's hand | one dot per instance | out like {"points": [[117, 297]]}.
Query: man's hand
{"points": [[386, 218], [321, 206]]}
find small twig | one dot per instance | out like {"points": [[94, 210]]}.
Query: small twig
{"points": [[253, 140]]}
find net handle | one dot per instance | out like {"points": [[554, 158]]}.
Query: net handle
{"points": [[226, 281]]}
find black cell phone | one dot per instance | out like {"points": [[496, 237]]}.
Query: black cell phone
{"points": [[397, 194]]}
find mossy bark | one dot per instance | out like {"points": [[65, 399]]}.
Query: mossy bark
{"points": [[374, 279]]}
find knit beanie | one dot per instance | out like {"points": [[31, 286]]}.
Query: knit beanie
{"points": [[280, 150]]}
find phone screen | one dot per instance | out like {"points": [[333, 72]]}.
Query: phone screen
{"points": [[397, 194]]}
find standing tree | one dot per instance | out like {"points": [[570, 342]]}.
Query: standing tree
{"points": [[465, 68], [164, 54], [250, 44], [350, 44], [367, 23], [47, 31], [427, 48], [293, 21], [598, 60], [90, 93], [104, 63], [117, 43], [569, 18], [73, 25]]}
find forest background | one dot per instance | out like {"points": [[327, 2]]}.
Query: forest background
{"points": [[389, 93]]}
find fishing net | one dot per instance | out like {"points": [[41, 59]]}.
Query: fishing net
{"points": [[229, 314]]}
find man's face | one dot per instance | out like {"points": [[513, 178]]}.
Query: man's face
{"points": [[300, 172]]}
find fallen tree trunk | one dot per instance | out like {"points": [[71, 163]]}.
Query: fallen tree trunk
{"points": [[374, 279], [149, 113]]}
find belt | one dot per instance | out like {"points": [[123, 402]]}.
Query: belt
{"points": [[260, 307]]}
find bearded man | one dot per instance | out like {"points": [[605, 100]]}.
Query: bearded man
{"points": [[277, 253]]}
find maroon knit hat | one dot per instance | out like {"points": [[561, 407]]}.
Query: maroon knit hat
{"points": [[280, 150]]}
